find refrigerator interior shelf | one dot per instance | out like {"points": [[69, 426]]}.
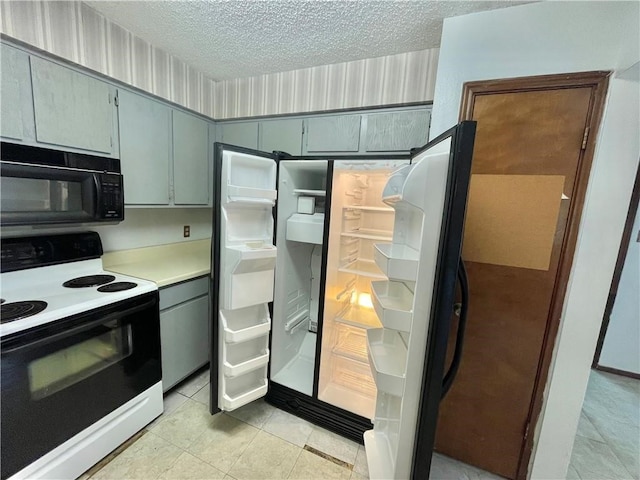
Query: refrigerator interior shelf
{"points": [[245, 323], [359, 317], [369, 234], [367, 208], [379, 457], [365, 268], [388, 358], [236, 193], [313, 193], [246, 366], [305, 228], [398, 262], [393, 303], [351, 343]]}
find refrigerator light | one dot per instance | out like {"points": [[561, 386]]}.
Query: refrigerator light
{"points": [[364, 300]]}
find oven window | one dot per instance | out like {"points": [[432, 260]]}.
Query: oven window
{"points": [[39, 195], [59, 370]]}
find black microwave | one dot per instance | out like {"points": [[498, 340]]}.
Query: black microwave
{"points": [[39, 186]]}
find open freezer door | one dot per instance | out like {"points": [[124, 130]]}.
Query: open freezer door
{"points": [[243, 262]]}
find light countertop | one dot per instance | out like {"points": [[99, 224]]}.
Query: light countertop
{"points": [[163, 264]]}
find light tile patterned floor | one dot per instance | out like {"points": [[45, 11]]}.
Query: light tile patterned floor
{"points": [[607, 445], [259, 441]]}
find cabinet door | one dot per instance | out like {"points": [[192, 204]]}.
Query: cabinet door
{"points": [[283, 135], [71, 109], [190, 159], [397, 131], [338, 133], [184, 338], [243, 134], [15, 95], [145, 149]]}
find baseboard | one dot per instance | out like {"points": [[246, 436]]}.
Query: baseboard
{"points": [[615, 371]]}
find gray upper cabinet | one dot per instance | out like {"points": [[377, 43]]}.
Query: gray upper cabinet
{"points": [[396, 131], [145, 149], [338, 133], [284, 135], [243, 134], [15, 94], [72, 109], [190, 159]]}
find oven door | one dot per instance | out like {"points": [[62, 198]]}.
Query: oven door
{"points": [[61, 378]]}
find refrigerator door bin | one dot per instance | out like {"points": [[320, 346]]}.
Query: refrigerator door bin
{"points": [[246, 366], [388, 358], [398, 262], [251, 278], [244, 170], [306, 228], [393, 189], [237, 193], [245, 323], [237, 356], [380, 460], [393, 303], [312, 193], [244, 389]]}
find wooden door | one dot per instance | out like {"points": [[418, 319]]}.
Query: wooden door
{"points": [[531, 163]]}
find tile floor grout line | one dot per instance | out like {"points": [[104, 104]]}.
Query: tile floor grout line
{"points": [[328, 457]]}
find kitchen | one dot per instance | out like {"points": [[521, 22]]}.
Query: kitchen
{"points": [[198, 219]]}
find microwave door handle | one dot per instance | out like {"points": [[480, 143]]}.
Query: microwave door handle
{"points": [[79, 328], [97, 195]]}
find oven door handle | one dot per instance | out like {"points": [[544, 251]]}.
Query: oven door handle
{"points": [[79, 328]]}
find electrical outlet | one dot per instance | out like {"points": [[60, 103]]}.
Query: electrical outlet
{"points": [[187, 231]]}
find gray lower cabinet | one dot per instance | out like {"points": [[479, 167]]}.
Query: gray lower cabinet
{"points": [[145, 149], [15, 94], [190, 159], [284, 135], [184, 329], [72, 109], [242, 134]]}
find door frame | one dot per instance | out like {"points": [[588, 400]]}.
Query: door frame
{"points": [[615, 282], [598, 81]]}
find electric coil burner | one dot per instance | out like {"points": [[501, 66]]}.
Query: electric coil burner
{"points": [[117, 287], [88, 281], [17, 310]]}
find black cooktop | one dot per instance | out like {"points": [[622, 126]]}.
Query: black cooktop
{"points": [[88, 281], [18, 310]]}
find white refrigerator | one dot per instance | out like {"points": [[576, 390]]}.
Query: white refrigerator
{"points": [[333, 288]]}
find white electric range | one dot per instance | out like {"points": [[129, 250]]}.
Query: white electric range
{"points": [[80, 367]]}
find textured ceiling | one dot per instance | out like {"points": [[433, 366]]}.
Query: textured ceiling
{"points": [[241, 38]]}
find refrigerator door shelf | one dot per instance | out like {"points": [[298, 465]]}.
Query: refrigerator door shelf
{"points": [[398, 262], [379, 457], [245, 389], [393, 303], [246, 323], [366, 208], [306, 228], [393, 189], [251, 278], [388, 358], [246, 366], [237, 193]]}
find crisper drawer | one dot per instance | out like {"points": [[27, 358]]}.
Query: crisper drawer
{"points": [[182, 292]]}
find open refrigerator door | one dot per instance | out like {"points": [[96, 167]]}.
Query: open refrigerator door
{"points": [[415, 303], [244, 278]]}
